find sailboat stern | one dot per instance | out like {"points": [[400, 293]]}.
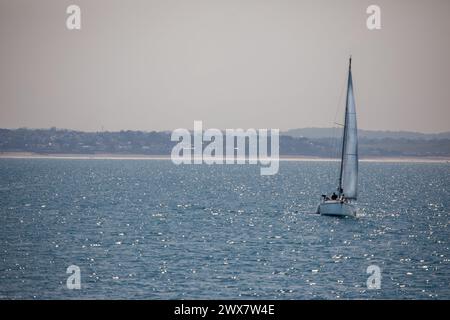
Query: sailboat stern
{"points": [[337, 208]]}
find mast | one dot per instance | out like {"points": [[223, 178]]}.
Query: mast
{"points": [[344, 138]]}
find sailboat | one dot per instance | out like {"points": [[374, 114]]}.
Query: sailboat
{"points": [[342, 202]]}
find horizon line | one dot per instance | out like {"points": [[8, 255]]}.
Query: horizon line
{"points": [[170, 130]]}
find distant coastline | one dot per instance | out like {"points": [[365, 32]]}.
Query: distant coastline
{"points": [[310, 145], [112, 156]]}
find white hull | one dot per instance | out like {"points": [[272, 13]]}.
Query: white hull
{"points": [[336, 208]]}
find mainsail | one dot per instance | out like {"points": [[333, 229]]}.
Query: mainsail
{"points": [[348, 178]]}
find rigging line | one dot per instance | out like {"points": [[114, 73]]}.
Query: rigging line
{"points": [[339, 102], [334, 152]]}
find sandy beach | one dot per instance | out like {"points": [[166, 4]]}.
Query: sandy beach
{"points": [[107, 156]]}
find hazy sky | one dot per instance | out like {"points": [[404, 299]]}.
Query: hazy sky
{"points": [[161, 64]]}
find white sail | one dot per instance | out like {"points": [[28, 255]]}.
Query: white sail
{"points": [[349, 165]]}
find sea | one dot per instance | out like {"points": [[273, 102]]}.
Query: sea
{"points": [[149, 229]]}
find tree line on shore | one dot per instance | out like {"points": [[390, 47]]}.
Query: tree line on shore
{"points": [[60, 141]]}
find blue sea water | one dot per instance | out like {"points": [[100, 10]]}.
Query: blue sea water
{"points": [[147, 229]]}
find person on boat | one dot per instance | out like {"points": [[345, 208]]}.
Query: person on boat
{"points": [[334, 196]]}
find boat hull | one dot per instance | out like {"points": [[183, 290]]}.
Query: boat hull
{"points": [[336, 208]]}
